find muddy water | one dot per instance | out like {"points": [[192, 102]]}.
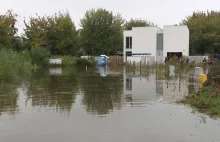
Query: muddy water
{"points": [[101, 105]]}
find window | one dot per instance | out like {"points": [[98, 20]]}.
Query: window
{"points": [[128, 42], [128, 98], [160, 41], [128, 53], [128, 83]]}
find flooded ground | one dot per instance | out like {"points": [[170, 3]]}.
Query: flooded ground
{"points": [[101, 105]]}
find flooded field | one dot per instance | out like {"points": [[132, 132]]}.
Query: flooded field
{"points": [[101, 105]]}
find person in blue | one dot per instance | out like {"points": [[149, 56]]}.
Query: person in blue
{"points": [[103, 60]]}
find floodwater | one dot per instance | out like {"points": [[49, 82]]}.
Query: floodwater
{"points": [[101, 105]]}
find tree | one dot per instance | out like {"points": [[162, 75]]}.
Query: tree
{"points": [[17, 43], [58, 33], [137, 23], [101, 32], [204, 32], [118, 22], [7, 28], [62, 35], [36, 31]]}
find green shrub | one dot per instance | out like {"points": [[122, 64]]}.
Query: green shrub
{"points": [[68, 61], [84, 62], [14, 64], [40, 56], [207, 100]]}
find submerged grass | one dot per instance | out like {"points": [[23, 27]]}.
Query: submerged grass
{"points": [[207, 100]]}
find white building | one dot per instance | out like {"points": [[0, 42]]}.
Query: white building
{"points": [[159, 43]]}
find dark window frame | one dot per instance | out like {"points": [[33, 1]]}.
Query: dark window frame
{"points": [[128, 42]]}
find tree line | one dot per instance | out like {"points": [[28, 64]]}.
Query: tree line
{"points": [[101, 32]]}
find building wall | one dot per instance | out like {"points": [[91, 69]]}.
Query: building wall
{"points": [[126, 34], [144, 40], [157, 42], [176, 39]]}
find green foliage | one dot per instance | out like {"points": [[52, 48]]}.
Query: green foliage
{"points": [[137, 23], [62, 37], [7, 28], [17, 43], [101, 32], [204, 32], [55, 32], [207, 100], [84, 62], [68, 61], [14, 64], [40, 56]]}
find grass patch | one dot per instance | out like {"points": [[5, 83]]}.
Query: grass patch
{"points": [[14, 64], [73, 61], [66, 60], [207, 100]]}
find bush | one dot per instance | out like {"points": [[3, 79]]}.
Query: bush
{"points": [[85, 62], [68, 61], [40, 56], [14, 64]]}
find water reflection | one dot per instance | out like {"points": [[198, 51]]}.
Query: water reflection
{"points": [[102, 95], [57, 89], [52, 91], [55, 71], [153, 87], [9, 97], [103, 70], [132, 104]]}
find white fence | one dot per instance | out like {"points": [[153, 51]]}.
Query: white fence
{"points": [[85, 57], [161, 59], [197, 59], [143, 59]]}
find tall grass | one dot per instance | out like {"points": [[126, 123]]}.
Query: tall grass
{"points": [[14, 64], [207, 100]]}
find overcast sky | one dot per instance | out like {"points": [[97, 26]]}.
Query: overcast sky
{"points": [[161, 12]]}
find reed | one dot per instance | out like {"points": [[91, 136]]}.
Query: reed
{"points": [[14, 64]]}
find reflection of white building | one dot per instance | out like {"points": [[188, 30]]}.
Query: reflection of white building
{"points": [[141, 89], [160, 43], [159, 88], [174, 90]]}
